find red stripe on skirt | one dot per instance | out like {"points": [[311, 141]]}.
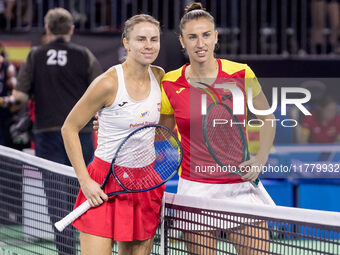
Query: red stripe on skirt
{"points": [[125, 217]]}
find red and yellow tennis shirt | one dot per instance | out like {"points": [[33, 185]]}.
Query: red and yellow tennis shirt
{"points": [[184, 102]]}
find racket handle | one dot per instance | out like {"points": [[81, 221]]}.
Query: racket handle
{"points": [[69, 218]]}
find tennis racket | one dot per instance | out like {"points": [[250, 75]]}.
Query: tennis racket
{"points": [[147, 158], [226, 142]]}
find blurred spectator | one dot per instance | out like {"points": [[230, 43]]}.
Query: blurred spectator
{"points": [[323, 126], [7, 83], [2, 14], [331, 9], [317, 90], [21, 120], [80, 11], [20, 129], [23, 8], [56, 74]]}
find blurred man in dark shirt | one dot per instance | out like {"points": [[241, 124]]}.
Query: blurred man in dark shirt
{"points": [[55, 76]]}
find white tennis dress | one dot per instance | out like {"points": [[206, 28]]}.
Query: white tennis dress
{"points": [[125, 114], [243, 192]]}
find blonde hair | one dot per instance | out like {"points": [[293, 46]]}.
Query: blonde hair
{"points": [[59, 21], [134, 20]]}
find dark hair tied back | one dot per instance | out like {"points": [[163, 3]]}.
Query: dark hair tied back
{"points": [[194, 11], [193, 6]]}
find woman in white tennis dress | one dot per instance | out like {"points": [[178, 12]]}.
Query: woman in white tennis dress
{"points": [[126, 96]]}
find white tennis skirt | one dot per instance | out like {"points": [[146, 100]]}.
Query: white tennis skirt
{"points": [[243, 192], [206, 220]]}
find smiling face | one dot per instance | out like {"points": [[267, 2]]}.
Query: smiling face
{"points": [[142, 43], [199, 38]]}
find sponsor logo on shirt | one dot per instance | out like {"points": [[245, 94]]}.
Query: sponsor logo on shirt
{"points": [[142, 124], [144, 114], [122, 104], [180, 90]]}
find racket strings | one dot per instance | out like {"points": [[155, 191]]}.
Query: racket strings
{"points": [[224, 136], [147, 159]]}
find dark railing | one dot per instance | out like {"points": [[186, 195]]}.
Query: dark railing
{"points": [[246, 27]]}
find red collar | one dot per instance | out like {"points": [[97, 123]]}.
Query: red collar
{"points": [[186, 83]]}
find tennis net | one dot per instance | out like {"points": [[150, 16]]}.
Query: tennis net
{"points": [[34, 193], [193, 225]]}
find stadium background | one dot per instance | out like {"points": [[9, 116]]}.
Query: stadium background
{"points": [[274, 37]]}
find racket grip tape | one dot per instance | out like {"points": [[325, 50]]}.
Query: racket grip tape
{"points": [[69, 218]]}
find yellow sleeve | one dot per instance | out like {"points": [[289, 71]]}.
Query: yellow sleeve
{"points": [[166, 107], [252, 82]]}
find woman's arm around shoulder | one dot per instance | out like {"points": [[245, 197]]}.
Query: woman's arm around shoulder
{"points": [[158, 72], [165, 120]]}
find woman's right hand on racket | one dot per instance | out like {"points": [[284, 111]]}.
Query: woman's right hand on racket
{"points": [[92, 191]]}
